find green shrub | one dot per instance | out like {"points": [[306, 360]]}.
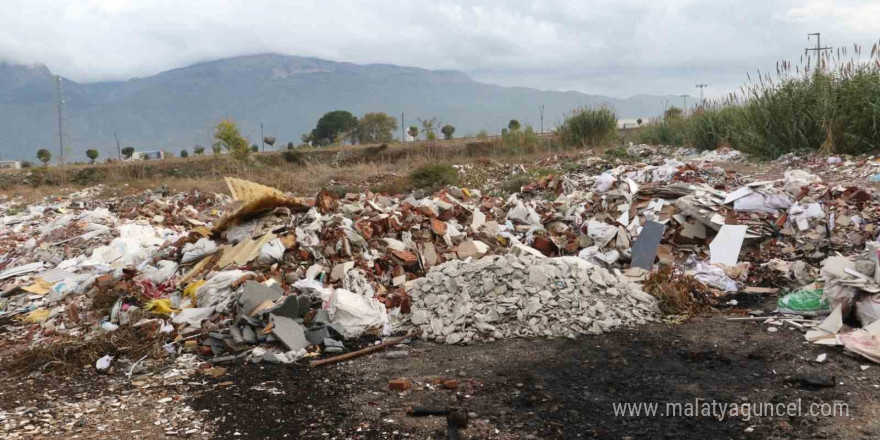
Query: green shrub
{"points": [[618, 153], [520, 141], [662, 132], [433, 176], [589, 127]]}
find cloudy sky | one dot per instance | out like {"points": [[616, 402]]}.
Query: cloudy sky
{"points": [[611, 47]]}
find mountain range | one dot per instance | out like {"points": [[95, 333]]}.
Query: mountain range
{"points": [[177, 109]]}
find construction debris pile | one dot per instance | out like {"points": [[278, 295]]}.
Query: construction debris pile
{"points": [[265, 276], [509, 296]]}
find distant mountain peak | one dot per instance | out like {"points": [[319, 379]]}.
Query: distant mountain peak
{"points": [[287, 94]]}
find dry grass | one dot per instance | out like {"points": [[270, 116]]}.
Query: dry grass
{"points": [[71, 354], [677, 293], [358, 167]]}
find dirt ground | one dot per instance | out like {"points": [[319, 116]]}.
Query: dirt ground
{"points": [[560, 389]]}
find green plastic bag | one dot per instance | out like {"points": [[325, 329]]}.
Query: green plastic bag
{"points": [[804, 302]]}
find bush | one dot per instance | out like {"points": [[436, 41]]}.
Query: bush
{"points": [[520, 141], [619, 153], [433, 176], [184, 153], [292, 156], [589, 127], [831, 110], [664, 131]]}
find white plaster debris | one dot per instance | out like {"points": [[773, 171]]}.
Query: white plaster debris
{"points": [[499, 297]]}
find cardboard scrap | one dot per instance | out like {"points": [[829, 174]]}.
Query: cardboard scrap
{"points": [[40, 287]]}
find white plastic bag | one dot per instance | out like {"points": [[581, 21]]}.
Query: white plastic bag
{"points": [[198, 250], [356, 313]]}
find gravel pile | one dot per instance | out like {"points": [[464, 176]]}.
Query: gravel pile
{"points": [[512, 296]]}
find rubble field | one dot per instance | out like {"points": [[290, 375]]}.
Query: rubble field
{"points": [[528, 301]]}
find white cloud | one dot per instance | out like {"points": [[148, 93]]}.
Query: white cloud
{"points": [[615, 47]]}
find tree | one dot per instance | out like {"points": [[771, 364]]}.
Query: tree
{"points": [[513, 125], [428, 128], [413, 131], [290, 146], [447, 131], [375, 128], [229, 138], [44, 155], [184, 153], [270, 140], [92, 154], [255, 148], [127, 152], [199, 150], [639, 121], [334, 126]]}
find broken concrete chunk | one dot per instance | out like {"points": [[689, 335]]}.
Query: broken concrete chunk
{"points": [[340, 270], [291, 334], [255, 294]]}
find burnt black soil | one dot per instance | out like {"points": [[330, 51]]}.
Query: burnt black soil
{"points": [[562, 389], [270, 401]]}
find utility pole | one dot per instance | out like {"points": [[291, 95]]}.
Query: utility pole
{"points": [[402, 128], [701, 87], [118, 149], [541, 107], [262, 137], [818, 49], [60, 125]]}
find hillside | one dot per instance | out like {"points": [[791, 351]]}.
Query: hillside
{"points": [[177, 108]]}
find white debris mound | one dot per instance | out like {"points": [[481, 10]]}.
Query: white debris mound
{"points": [[512, 296]]}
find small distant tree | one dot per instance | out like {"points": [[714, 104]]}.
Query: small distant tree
{"points": [[26, 164], [413, 131], [255, 148], [375, 128], [447, 131], [127, 152], [639, 121], [198, 150], [513, 125], [428, 128], [184, 153], [334, 126], [92, 154], [269, 140], [229, 138], [44, 156], [290, 146]]}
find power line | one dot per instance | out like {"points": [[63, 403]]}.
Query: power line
{"points": [[60, 116], [701, 87], [818, 49], [541, 108]]}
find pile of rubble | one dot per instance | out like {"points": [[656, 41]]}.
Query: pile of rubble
{"points": [[509, 296], [265, 276]]}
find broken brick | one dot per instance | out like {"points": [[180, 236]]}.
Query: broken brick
{"points": [[399, 384]]}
